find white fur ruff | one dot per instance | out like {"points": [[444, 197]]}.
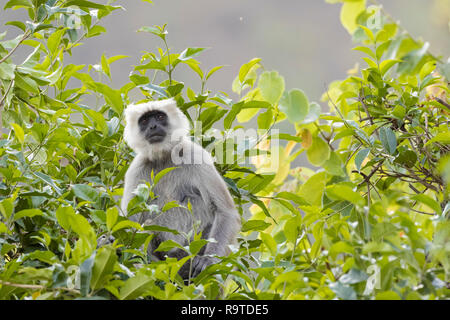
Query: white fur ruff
{"points": [[178, 128]]}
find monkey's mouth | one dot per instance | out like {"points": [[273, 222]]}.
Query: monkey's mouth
{"points": [[155, 138]]}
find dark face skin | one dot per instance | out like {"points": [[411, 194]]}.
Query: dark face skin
{"points": [[154, 125]]}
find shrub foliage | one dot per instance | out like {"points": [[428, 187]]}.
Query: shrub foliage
{"points": [[369, 221]]}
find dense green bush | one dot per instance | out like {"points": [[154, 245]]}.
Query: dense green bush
{"points": [[371, 221]]}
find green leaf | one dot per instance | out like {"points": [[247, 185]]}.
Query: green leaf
{"points": [[170, 205], [85, 192], [292, 229], [399, 112], [340, 247], [271, 85], [255, 225], [112, 215], [388, 64], [265, 119], [136, 286], [155, 65], [20, 135], [116, 58], [293, 197], [105, 259], [126, 224], [154, 88], [245, 68], [334, 165], [71, 221], [354, 276], [295, 105], [388, 139], [54, 41], [314, 113], [95, 31], [27, 213], [86, 275], [428, 201], [269, 241], [160, 229], [312, 190], [407, 158], [382, 48], [360, 157], [367, 31], [13, 3], [161, 174], [112, 97], [344, 192], [98, 121], [319, 152], [168, 245], [7, 71], [441, 137], [156, 30], [342, 291], [212, 71], [7, 207], [48, 180], [387, 295], [367, 51], [85, 4], [26, 83], [105, 66], [196, 245], [190, 53]]}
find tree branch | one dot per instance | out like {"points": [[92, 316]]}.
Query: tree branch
{"points": [[24, 37]]}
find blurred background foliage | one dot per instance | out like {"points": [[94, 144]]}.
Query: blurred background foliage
{"points": [[303, 40], [366, 218]]}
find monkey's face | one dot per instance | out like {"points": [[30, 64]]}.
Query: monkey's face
{"points": [[154, 126]]}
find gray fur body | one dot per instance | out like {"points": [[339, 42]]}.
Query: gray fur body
{"points": [[195, 181]]}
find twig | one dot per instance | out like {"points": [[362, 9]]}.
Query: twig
{"points": [[3, 100], [37, 287], [6, 93], [421, 212], [327, 139], [442, 102], [374, 170], [24, 37]]}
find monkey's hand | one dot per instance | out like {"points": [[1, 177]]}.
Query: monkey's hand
{"points": [[201, 262], [104, 240]]}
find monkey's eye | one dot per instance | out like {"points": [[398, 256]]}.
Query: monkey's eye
{"points": [[144, 121], [160, 117]]}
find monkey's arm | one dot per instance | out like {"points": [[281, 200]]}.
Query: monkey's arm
{"points": [[227, 221]]}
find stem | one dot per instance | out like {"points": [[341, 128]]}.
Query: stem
{"points": [[168, 61], [327, 139], [24, 37], [37, 287], [1, 103]]}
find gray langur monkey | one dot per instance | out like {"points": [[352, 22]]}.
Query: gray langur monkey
{"points": [[158, 132]]}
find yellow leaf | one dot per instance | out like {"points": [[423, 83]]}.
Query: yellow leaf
{"points": [[306, 138], [350, 12], [20, 135]]}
